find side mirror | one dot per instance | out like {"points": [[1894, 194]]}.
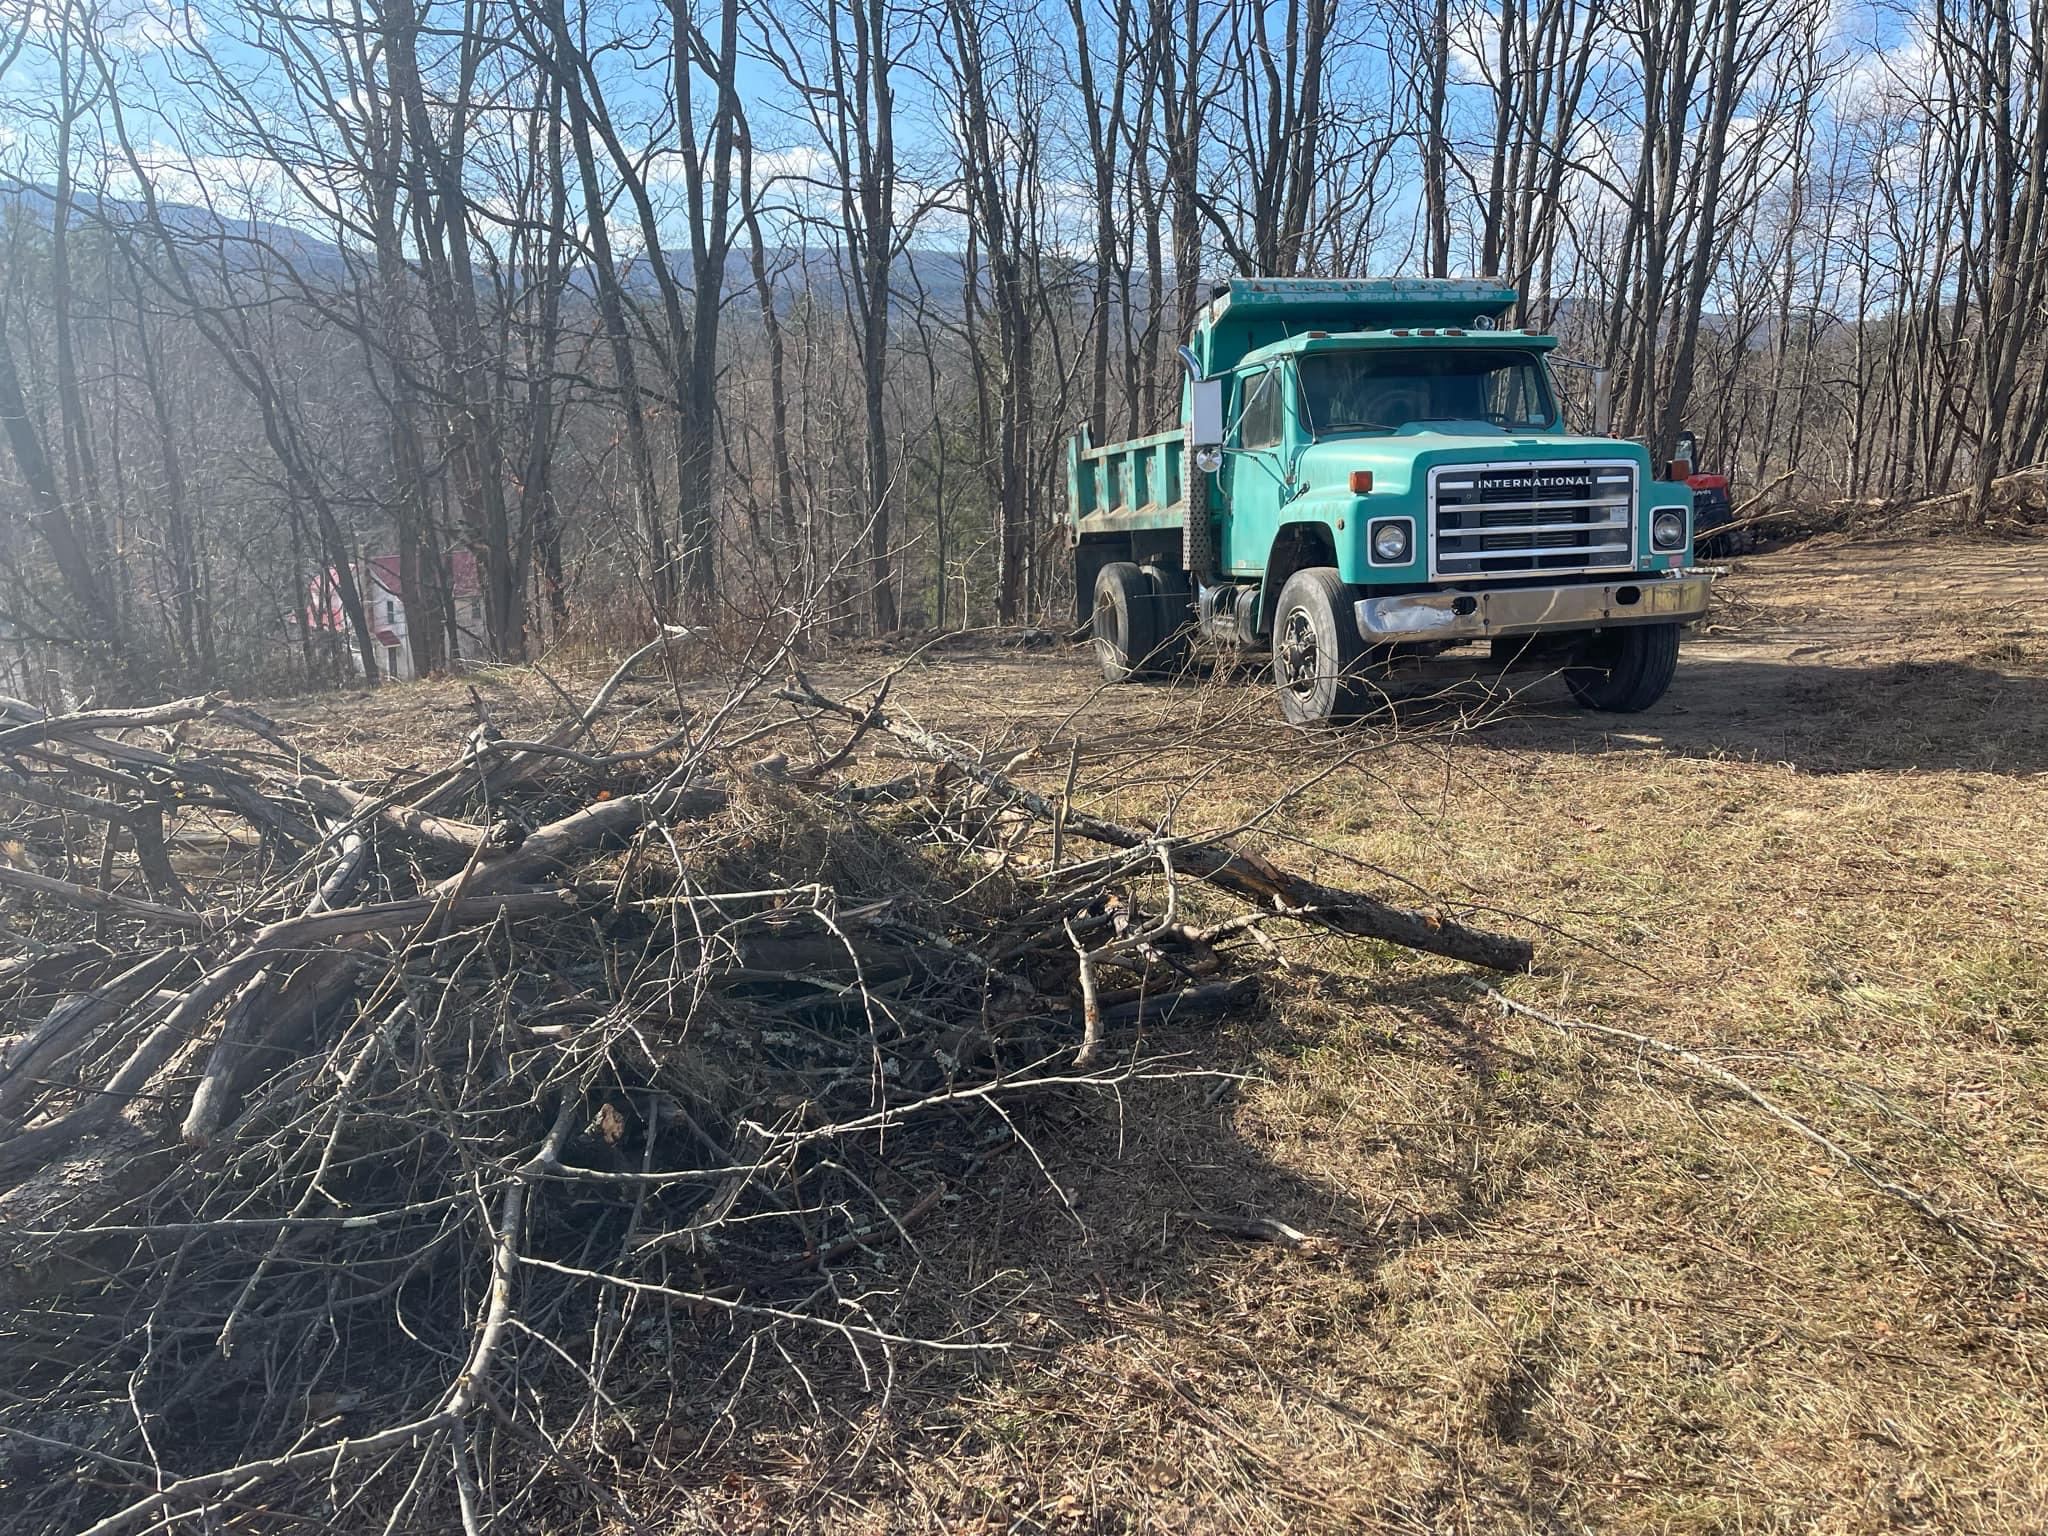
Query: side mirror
{"points": [[1597, 397], [1205, 413]]}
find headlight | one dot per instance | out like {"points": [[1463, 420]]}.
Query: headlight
{"points": [[1667, 530], [1390, 543]]}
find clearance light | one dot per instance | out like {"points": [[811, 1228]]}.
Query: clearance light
{"points": [[1361, 482]]}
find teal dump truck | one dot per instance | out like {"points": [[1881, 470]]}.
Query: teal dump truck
{"points": [[1368, 473]]}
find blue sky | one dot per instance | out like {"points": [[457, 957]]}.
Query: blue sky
{"points": [[165, 93]]}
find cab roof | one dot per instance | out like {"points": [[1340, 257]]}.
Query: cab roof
{"points": [[1397, 338], [1249, 313]]}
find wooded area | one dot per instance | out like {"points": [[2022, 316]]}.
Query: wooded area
{"points": [[661, 312]]}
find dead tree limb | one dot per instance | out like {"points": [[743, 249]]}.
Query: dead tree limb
{"points": [[1974, 1233], [1243, 874], [92, 897], [549, 848], [438, 832], [90, 722], [72, 1020]]}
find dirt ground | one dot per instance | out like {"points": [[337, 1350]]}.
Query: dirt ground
{"points": [[1547, 1284]]}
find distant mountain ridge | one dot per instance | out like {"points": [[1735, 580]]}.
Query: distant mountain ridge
{"points": [[255, 244]]}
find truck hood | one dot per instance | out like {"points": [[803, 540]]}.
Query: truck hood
{"points": [[1397, 459]]}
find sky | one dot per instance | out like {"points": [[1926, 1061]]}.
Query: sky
{"points": [[162, 50]]}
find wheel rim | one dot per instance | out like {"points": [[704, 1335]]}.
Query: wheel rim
{"points": [[1299, 659]]}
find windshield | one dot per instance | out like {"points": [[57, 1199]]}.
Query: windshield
{"points": [[1386, 390]]}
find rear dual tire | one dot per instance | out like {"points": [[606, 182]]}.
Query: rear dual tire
{"points": [[1140, 621]]}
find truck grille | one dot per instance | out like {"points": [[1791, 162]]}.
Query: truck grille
{"points": [[1504, 519]]}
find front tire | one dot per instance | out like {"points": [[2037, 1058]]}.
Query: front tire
{"points": [[1317, 651], [1625, 671]]}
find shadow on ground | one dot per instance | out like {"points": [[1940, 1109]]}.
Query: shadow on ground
{"points": [[1112, 1255], [1936, 716], [1747, 703], [1925, 716]]}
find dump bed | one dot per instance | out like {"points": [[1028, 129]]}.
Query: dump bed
{"points": [[1252, 312], [1123, 487]]}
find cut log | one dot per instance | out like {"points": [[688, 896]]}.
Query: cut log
{"points": [[437, 832]]}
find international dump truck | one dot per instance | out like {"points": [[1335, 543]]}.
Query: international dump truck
{"points": [[1368, 472]]}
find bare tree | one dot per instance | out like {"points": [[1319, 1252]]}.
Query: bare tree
{"points": [[720, 306]]}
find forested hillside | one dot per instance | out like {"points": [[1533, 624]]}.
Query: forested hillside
{"points": [[687, 312]]}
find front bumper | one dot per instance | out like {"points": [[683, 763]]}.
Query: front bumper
{"points": [[1483, 615]]}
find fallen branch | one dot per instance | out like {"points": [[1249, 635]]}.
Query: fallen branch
{"points": [[549, 848], [1251, 1229], [436, 832], [72, 1021], [252, 1019], [92, 897], [1978, 1234], [90, 722], [1189, 1002], [1243, 874]]}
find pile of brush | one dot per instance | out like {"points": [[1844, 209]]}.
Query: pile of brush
{"points": [[349, 1130]]}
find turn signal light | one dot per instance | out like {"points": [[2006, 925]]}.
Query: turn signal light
{"points": [[1361, 482], [1678, 469]]}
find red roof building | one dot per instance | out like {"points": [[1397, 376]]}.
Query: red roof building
{"points": [[384, 607]]}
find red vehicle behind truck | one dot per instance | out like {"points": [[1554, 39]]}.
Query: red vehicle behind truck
{"points": [[1712, 508]]}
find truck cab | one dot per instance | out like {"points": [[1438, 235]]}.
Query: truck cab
{"points": [[1374, 469]]}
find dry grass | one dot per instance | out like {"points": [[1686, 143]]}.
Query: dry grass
{"points": [[1549, 1286]]}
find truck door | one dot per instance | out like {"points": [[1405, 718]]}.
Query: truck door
{"points": [[1251, 471]]}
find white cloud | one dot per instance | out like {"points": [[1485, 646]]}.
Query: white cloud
{"points": [[142, 26], [1894, 57], [232, 186], [1474, 45], [801, 162], [132, 26]]}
